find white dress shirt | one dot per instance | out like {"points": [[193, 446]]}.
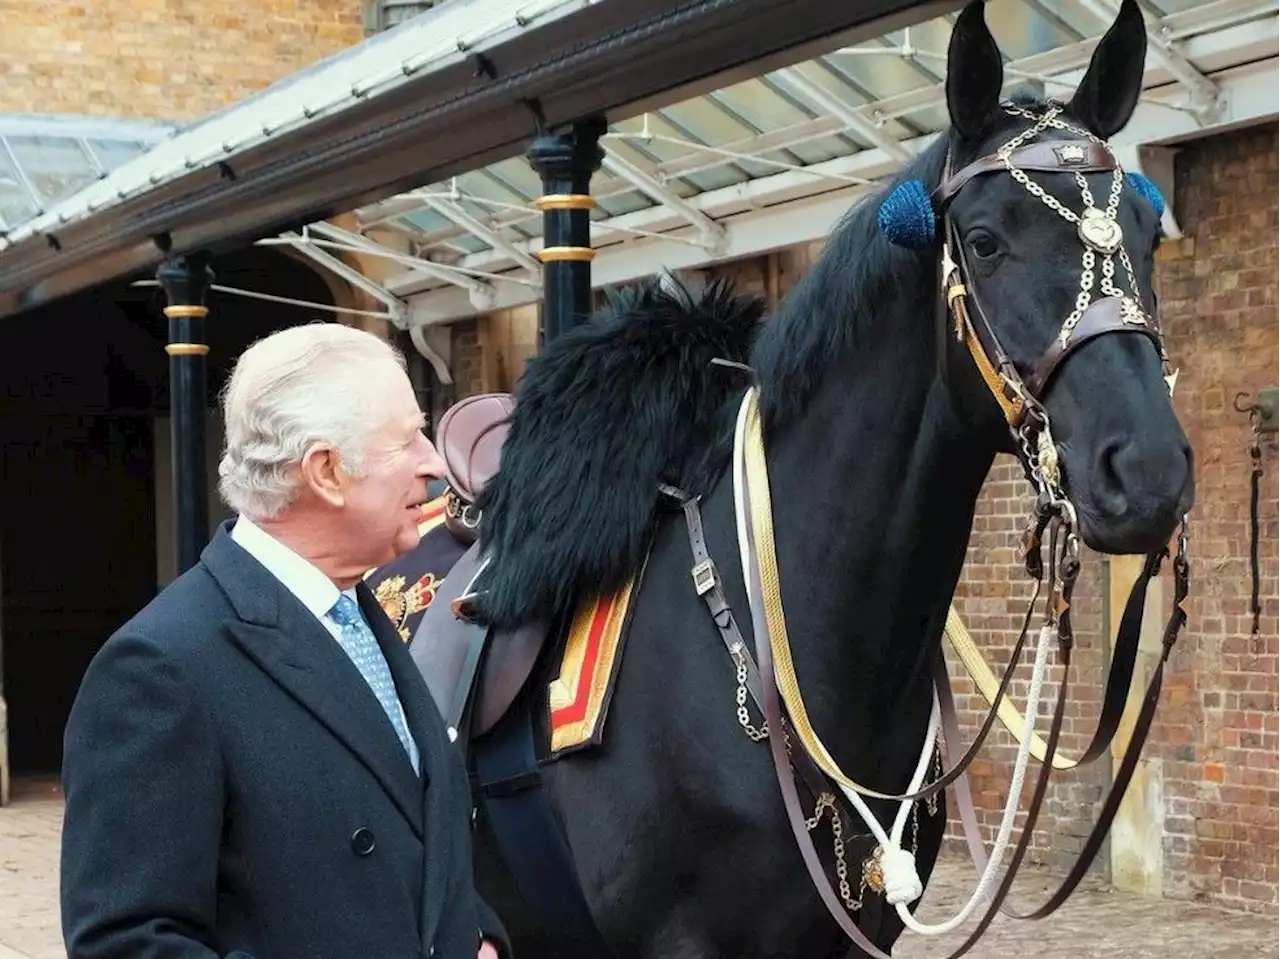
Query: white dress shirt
{"points": [[299, 576]]}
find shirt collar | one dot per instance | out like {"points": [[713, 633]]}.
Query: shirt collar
{"points": [[312, 588]]}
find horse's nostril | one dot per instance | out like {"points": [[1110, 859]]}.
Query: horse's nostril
{"points": [[1108, 487]]}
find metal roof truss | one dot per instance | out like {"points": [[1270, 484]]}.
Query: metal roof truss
{"points": [[804, 143]]}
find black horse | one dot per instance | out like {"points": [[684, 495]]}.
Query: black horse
{"points": [[880, 432]]}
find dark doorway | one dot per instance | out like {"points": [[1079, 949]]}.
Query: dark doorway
{"points": [[75, 504], [83, 390], [79, 551]]}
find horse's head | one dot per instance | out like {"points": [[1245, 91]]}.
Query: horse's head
{"points": [[1054, 250]]}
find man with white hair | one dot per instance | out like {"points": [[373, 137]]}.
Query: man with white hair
{"points": [[253, 766]]}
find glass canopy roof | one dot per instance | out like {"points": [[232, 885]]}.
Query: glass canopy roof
{"points": [[44, 159], [880, 94]]}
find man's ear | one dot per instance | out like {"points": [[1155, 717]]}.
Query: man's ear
{"points": [[322, 473]]}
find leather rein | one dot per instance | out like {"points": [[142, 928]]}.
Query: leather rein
{"points": [[1019, 393]]}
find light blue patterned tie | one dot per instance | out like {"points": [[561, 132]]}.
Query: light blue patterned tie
{"points": [[359, 643]]}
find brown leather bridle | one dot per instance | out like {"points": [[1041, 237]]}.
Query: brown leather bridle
{"points": [[1019, 393]]}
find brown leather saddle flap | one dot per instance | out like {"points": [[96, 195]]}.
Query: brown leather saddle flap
{"points": [[451, 654], [470, 438]]}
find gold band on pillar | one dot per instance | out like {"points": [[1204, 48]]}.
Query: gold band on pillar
{"points": [[186, 349], [552, 254], [180, 310], [565, 201]]}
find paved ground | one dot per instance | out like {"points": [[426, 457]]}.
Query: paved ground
{"points": [[29, 829], [1095, 924]]}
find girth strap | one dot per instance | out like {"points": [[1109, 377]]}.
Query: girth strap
{"points": [[529, 837]]}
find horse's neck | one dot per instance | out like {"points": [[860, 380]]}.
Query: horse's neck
{"points": [[874, 495]]}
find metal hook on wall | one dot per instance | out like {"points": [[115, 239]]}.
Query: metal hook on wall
{"points": [[1262, 412], [1262, 419]]}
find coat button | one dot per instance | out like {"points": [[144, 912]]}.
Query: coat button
{"points": [[362, 841]]}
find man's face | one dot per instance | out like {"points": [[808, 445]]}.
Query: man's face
{"points": [[381, 511]]}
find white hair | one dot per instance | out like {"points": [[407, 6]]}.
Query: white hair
{"points": [[316, 383]]}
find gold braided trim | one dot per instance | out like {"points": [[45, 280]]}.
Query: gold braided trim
{"points": [[186, 349], [552, 254], [181, 310], [757, 481], [577, 695], [565, 201]]}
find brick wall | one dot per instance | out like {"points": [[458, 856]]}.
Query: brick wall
{"points": [[1219, 738], [161, 59]]}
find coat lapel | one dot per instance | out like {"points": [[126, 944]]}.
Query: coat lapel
{"points": [[290, 645]]}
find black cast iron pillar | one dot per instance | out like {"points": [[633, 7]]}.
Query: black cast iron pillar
{"points": [[186, 281], [566, 162]]}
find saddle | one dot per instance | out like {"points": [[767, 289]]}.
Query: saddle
{"points": [[478, 678], [450, 651], [470, 438]]}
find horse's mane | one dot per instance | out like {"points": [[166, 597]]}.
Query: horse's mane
{"points": [[857, 278], [607, 411], [603, 414]]}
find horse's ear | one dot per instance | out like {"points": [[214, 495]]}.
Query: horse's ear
{"points": [[1107, 95], [975, 74]]}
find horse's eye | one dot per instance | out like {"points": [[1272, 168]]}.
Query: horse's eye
{"points": [[982, 245]]}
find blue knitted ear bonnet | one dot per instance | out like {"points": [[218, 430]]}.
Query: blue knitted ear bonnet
{"points": [[1147, 190], [906, 216]]}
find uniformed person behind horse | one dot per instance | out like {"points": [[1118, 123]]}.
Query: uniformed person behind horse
{"points": [[253, 766]]}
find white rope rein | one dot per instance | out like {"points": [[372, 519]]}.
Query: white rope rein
{"points": [[988, 878]]}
